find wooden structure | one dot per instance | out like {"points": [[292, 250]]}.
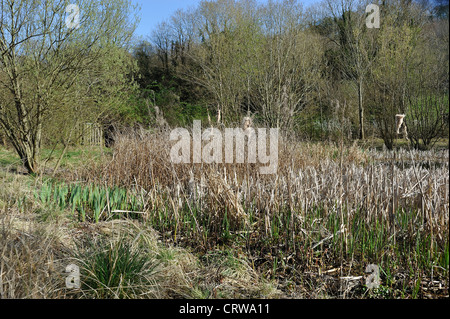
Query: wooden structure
{"points": [[89, 134]]}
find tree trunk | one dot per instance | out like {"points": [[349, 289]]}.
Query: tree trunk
{"points": [[31, 164], [26, 153], [361, 110]]}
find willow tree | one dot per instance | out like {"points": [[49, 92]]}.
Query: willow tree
{"points": [[222, 58], [46, 54], [402, 71], [288, 65], [252, 58], [355, 46]]}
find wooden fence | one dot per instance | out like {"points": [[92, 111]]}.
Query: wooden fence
{"points": [[89, 134]]}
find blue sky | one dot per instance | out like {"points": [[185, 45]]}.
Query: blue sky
{"points": [[155, 11]]}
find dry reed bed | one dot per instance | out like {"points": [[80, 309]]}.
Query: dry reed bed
{"points": [[324, 201], [310, 176], [328, 207]]}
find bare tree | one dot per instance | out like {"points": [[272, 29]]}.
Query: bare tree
{"points": [[399, 69], [42, 59], [288, 65], [427, 118], [355, 44], [161, 37]]}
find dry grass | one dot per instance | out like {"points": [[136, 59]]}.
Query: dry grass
{"points": [[30, 261], [34, 255], [225, 231], [327, 207]]}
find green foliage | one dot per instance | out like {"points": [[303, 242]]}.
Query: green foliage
{"points": [[175, 111], [116, 269], [427, 119], [89, 202], [280, 63], [53, 77]]}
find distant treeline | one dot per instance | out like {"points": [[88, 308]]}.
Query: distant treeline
{"points": [[318, 71]]}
